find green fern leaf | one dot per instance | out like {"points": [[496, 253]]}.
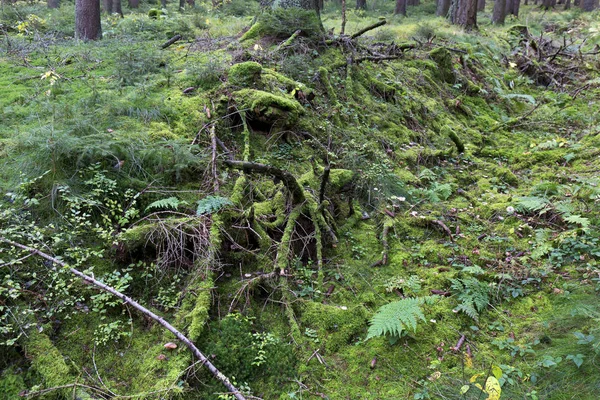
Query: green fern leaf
{"points": [[579, 220], [398, 317], [212, 204], [473, 295], [532, 204], [171, 203]]}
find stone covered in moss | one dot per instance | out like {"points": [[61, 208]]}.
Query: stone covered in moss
{"points": [[269, 108], [246, 74]]}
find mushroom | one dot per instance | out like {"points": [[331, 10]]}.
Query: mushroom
{"points": [[161, 357], [170, 346]]}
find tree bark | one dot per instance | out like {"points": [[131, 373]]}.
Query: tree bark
{"points": [[443, 6], [400, 7], [464, 13], [589, 5], [134, 3], [499, 12], [548, 4], [163, 3], [480, 5], [87, 20], [53, 3], [117, 8], [191, 3], [181, 5], [412, 2], [512, 7], [361, 4], [107, 6], [128, 300]]}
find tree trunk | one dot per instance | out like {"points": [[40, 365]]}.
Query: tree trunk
{"points": [[442, 8], [499, 13], [361, 4], [53, 3], [512, 7], [117, 8], [163, 3], [191, 3], [181, 5], [87, 20], [576, 2], [412, 2], [134, 3], [107, 6], [464, 13], [400, 7], [567, 4], [480, 5], [589, 5]]}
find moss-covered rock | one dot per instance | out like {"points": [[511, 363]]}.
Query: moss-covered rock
{"points": [[269, 108], [246, 74], [443, 59]]}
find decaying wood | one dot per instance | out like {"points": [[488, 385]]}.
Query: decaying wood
{"points": [[287, 178], [369, 28], [146, 312], [170, 41]]}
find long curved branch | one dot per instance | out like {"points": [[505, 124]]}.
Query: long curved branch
{"points": [[189, 344]]}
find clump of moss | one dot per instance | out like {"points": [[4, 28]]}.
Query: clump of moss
{"points": [[246, 74], [336, 326], [443, 59], [267, 107]]}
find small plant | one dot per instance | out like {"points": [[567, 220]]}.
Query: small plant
{"points": [[473, 295], [396, 318]]}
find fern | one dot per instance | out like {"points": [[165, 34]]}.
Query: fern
{"points": [[397, 317], [532, 204], [212, 204], [170, 203], [473, 295]]}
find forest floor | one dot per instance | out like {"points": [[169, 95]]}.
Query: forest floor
{"points": [[449, 176]]}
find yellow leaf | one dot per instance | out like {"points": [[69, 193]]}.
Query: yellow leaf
{"points": [[464, 389], [492, 388], [512, 64], [474, 377], [496, 370]]}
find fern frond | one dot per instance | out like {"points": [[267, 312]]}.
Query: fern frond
{"points": [[399, 316], [212, 204], [169, 203], [473, 295], [532, 204]]}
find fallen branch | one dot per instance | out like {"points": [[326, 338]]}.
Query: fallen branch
{"points": [[170, 41], [369, 28], [324, 181], [126, 299], [287, 178]]}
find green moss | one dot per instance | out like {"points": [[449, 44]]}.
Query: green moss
{"points": [[443, 59], [195, 306], [268, 107], [255, 31], [336, 326], [11, 383], [49, 363], [246, 74]]}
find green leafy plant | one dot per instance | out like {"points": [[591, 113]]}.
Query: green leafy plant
{"points": [[212, 204], [171, 203], [473, 295], [396, 318]]}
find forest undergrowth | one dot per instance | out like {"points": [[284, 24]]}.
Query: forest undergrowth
{"points": [[411, 212]]}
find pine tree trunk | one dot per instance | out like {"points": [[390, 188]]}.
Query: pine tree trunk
{"points": [[305, 4], [163, 3], [499, 13], [567, 4], [117, 7], [134, 3], [361, 4], [412, 2], [87, 20], [480, 5], [107, 6], [191, 3], [181, 5], [53, 3], [464, 13], [512, 7], [589, 5], [400, 7], [442, 8]]}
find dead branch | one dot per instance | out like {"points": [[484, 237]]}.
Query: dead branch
{"points": [[287, 178], [170, 41], [369, 28], [128, 300], [384, 242], [324, 181]]}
